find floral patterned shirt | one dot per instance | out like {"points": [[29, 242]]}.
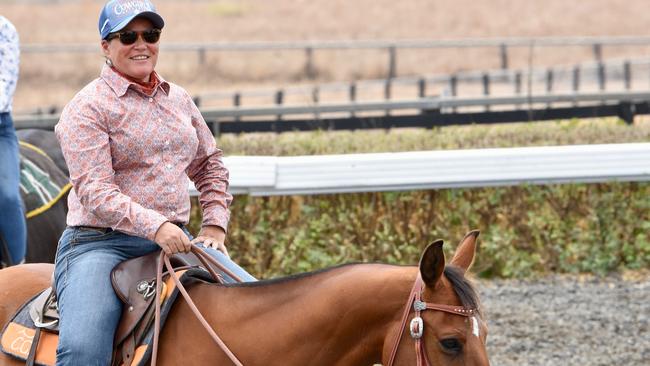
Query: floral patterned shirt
{"points": [[9, 59], [130, 156]]}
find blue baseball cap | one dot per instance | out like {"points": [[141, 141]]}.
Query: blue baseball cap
{"points": [[116, 14]]}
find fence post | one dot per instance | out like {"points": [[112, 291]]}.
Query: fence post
{"points": [[236, 101], [576, 78], [504, 56], [601, 76], [518, 82], [549, 80], [201, 52], [486, 88], [315, 97], [279, 99], [392, 62], [453, 88], [387, 93], [353, 95], [310, 70], [627, 73], [598, 52], [422, 88]]}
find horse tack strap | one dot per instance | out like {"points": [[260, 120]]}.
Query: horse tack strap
{"points": [[204, 258], [416, 326]]}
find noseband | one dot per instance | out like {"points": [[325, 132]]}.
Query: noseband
{"points": [[416, 326]]}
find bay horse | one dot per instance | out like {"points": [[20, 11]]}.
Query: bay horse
{"points": [[350, 315]]}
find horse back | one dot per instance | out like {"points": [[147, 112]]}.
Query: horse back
{"points": [[17, 285], [20, 283]]}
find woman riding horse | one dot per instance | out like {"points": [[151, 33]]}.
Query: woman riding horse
{"points": [[350, 315], [130, 140]]}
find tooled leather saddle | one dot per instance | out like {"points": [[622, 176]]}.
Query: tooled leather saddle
{"points": [[32, 335]]}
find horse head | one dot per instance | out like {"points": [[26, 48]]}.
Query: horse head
{"points": [[442, 323]]}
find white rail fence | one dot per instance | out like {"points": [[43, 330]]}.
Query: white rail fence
{"points": [[266, 176]]}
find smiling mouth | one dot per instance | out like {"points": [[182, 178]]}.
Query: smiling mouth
{"points": [[139, 58]]}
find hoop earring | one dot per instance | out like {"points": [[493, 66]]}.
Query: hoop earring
{"points": [[109, 62]]}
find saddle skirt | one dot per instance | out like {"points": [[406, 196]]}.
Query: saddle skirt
{"points": [[19, 335]]}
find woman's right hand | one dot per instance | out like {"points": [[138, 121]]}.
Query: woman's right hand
{"points": [[172, 239]]}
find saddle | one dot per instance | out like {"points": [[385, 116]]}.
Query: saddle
{"points": [[32, 335]]}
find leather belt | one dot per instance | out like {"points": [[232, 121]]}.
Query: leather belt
{"points": [[106, 230]]}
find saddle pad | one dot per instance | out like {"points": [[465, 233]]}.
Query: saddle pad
{"points": [[18, 334], [42, 183]]}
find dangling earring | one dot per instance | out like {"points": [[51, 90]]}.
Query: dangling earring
{"points": [[109, 62]]}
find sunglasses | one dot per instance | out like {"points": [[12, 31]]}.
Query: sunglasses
{"points": [[130, 37]]}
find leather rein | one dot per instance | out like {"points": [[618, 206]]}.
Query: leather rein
{"points": [[206, 260], [416, 326]]}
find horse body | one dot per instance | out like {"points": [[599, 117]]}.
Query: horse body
{"points": [[332, 318], [349, 316]]}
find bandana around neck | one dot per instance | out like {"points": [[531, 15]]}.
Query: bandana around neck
{"points": [[144, 87]]}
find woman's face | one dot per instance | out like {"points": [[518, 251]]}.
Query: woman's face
{"points": [[136, 60]]}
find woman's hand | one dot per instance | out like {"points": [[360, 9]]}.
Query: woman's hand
{"points": [[172, 239], [212, 237]]}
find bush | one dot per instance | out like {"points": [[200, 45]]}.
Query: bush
{"points": [[526, 230]]}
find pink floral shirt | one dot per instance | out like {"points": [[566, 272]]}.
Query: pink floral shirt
{"points": [[130, 156]]}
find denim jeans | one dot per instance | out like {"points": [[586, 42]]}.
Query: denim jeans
{"points": [[88, 306], [12, 217]]}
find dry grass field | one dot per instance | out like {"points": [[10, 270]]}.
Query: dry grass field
{"points": [[52, 79]]}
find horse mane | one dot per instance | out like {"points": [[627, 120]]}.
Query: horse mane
{"points": [[456, 276], [463, 288], [298, 276]]}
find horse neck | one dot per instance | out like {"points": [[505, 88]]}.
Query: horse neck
{"points": [[340, 316]]}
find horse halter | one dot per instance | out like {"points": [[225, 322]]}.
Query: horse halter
{"points": [[416, 326]]}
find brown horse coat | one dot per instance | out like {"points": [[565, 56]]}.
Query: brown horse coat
{"points": [[348, 315]]}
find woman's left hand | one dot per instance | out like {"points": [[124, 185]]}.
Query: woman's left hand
{"points": [[212, 237]]}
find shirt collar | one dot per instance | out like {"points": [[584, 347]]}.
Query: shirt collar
{"points": [[120, 85]]}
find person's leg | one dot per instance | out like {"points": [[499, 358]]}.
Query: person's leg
{"points": [[230, 265], [226, 262], [89, 308], [12, 217]]}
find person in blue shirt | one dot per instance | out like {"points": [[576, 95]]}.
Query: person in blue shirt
{"points": [[13, 231]]}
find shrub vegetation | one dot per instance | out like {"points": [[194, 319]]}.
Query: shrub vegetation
{"points": [[525, 230]]}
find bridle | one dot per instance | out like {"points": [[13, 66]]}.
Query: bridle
{"points": [[416, 326]]}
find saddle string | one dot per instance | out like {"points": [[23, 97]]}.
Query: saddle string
{"points": [[204, 258]]}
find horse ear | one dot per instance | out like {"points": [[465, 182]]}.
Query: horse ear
{"points": [[464, 255], [432, 263]]}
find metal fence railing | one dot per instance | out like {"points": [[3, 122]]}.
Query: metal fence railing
{"points": [[391, 47]]}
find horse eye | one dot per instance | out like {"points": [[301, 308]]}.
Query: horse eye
{"points": [[451, 346]]}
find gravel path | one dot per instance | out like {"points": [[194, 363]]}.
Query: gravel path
{"points": [[568, 320]]}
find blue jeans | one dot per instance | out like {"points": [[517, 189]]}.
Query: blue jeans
{"points": [[89, 308], [12, 217]]}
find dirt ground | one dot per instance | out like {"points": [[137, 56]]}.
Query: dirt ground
{"points": [[52, 79], [568, 320]]}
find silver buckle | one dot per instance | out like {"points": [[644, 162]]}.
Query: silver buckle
{"points": [[419, 305], [146, 288], [416, 327]]}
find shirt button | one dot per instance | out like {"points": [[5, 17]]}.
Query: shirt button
{"points": [[167, 142], [169, 166], [150, 100], [173, 189], [173, 213], [160, 120]]}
